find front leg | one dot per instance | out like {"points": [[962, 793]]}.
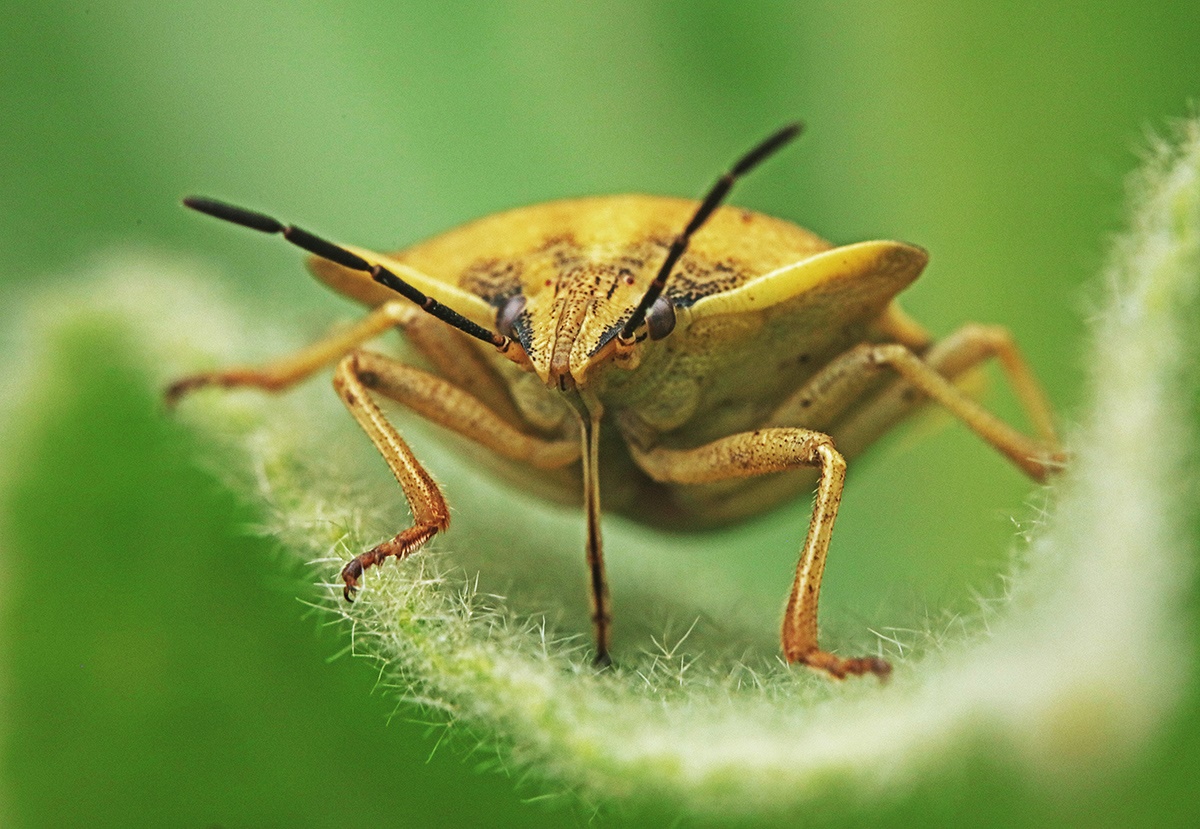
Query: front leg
{"points": [[444, 404], [777, 450], [429, 510], [446, 349]]}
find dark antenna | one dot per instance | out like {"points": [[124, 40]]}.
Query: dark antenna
{"points": [[711, 202], [339, 255]]}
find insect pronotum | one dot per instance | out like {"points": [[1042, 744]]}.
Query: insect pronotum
{"points": [[705, 363]]}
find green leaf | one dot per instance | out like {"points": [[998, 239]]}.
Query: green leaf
{"points": [[1073, 666]]}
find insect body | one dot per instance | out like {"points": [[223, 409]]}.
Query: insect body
{"points": [[696, 363]]}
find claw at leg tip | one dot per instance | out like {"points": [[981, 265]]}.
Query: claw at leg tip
{"points": [[177, 390], [173, 393], [350, 574]]}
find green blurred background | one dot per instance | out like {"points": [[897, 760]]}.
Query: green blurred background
{"points": [[157, 668]]}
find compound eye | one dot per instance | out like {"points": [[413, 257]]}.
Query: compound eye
{"points": [[510, 312], [660, 319]]}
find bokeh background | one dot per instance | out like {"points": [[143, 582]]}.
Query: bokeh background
{"points": [[157, 667]]}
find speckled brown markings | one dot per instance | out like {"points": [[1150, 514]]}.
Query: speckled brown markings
{"points": [[697, 279], [492, 279], [787, 356]]}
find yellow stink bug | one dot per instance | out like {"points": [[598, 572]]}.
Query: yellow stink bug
{"points": [[705, 363]]}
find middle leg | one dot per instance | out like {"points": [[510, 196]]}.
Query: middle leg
{"points": [[826, 399]]}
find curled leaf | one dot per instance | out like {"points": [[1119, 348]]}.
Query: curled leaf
{"points": [[1079, 658]]}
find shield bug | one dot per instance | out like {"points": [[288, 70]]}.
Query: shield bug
{"points": [[698, 363]]}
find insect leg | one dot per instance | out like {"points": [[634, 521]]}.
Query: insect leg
{"points": [[287, 371], [931, 376], [451, 355], [429, 510], [827, 395], [447, 405], [972, 344], [776, 450], [839, 391]]}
